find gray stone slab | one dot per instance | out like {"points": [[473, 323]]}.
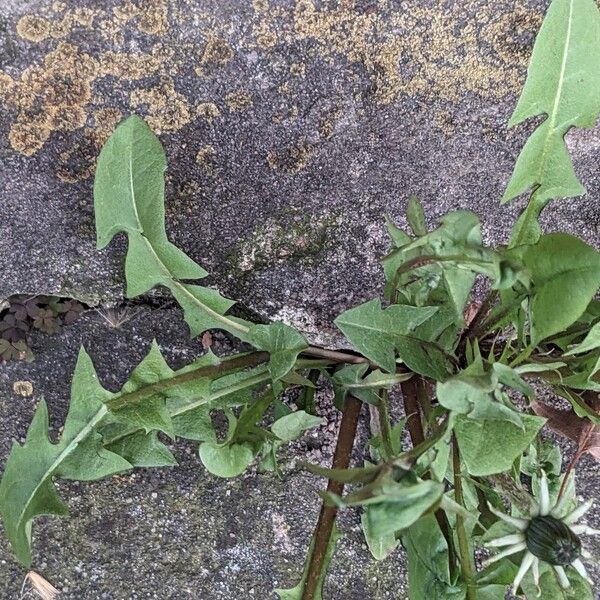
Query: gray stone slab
{"points": [[290, 128]]}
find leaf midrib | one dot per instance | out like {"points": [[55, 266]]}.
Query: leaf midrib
{"points": [[212, 313], [69, 449], [558, 96]]}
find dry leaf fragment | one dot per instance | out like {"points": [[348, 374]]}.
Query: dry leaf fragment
{"points": [[38, 586], [579, 429]]}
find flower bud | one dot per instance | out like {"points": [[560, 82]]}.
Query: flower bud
{"points": [[552, 541]]}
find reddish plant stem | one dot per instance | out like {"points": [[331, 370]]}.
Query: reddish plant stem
{"points": [[337, 356], [411, 408], [474, 328], [324, 528], [410, 396]]}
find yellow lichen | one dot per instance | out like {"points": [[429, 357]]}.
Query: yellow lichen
{"points": [[28, 137], [130, 66], [217, 53], [293, 159], [51, 96], [264, 35], [297, 69], [153, 17], [33, 28], [105, 121], [238, 100], [208, 110], [436, 52], [168, 110], [205, 158], [23, 388], [260, 6]]}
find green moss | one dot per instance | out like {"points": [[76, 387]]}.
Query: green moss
{"points": [[293, 237]]}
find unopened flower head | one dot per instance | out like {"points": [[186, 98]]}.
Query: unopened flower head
{"points": [[550, 535]]}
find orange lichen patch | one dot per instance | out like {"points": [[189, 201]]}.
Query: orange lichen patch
{"points": [[508, 33], [216, 54], [328, 121], [445, 54], [51, 96], [238, 100], [66, 118], [7, 85], [264, 34], [33, 28], [168, 109], [260, 6], [208, 111], [28, 137], [23, 388], [79, 161], [153, 17], [54, 95], [444, 120]]}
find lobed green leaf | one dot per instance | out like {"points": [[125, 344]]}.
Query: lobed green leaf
{"points": [[563, 83]]}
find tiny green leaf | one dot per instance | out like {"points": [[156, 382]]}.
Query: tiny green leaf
{"points": [[381, 547], [416, 216], [226, 461], [291, 426], [282, 342], [401, 507]]}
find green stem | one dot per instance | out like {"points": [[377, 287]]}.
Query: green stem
{"points": [[410, 397], [383, 409], [466, 558], [386, 380], [239, 362], [162, 386], [309, 392]]}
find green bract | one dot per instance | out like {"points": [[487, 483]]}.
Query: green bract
{"points": [[447, 365]]}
